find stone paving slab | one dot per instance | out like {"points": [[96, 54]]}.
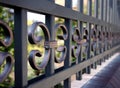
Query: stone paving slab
{"points": [[106, 75]]}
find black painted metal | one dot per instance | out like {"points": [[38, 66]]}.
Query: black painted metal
{"points": [[67, 62], [102, 40], [20, 47]]}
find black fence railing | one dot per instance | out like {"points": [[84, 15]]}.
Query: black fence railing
{"points": [[92, 41]]}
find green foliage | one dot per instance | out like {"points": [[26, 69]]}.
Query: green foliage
{"points": [[6, 16], [7, 83]]}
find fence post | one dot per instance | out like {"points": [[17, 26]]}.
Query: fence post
{"points": [[20, 48], [67, 62]]}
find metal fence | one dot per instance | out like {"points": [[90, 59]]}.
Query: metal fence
{"points": [[100, 36]]}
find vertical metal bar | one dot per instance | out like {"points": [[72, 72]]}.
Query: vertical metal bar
{"points": [[96, 9], [67, 62], [118, 10], [105, 19], [102, 13], [109, 20], [80, 26], [89, 29], [101, 9], [113, 21], [111, 10], [106, 28], [108, 10], [96, 15], [101, 18], [50, 24], [115, 12], [80, 6], [20, 16], [104, 10], [111, 15], [90, 7]]}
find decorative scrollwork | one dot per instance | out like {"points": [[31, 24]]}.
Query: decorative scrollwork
{"points": [[32, 55], [107, 40], [99, 35], [76, 37], [105, 37], [36, 40], [85, 37], [5, 56], [94, 39], [8, 66], [103, 40], [99, 41], [61, 49], [85, 44], [7, 41], [64, 29], [110, 38]]}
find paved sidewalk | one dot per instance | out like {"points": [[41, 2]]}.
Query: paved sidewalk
{"points": [[102, 76]]}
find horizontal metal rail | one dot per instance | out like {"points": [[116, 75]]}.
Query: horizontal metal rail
{"points": [[46, 7]]}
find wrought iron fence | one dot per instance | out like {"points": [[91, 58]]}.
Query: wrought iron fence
{"points": [[100, 36]]}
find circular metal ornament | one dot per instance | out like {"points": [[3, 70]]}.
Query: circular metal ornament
{"points": [[8, 66], [76, 37], [103, 39], [85, 34], [99, 35], [99, 39], [94, 39], [75, 51], [64, 29], [7, 41], [61, 49], [37, 53], [36, 40], [85, 37], [94, 34]]}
